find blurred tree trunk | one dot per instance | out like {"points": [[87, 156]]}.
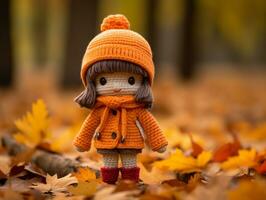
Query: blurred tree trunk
{"points": [[152, 9], [6, 64], [81, 29], [39, 32], [187, 63]]}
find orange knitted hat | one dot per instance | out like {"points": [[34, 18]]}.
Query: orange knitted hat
{"points": [[116, 41]]}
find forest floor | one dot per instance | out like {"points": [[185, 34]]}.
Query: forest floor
{"points": [[215, 126]]}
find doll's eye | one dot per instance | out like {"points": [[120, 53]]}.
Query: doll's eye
{"points": [[103, 81], [131, 80]]}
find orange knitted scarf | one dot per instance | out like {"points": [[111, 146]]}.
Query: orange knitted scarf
{"points": [[116, 102]]}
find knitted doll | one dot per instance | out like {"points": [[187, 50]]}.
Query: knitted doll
{"points": [[117, 72]]}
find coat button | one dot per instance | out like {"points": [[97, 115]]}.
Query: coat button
{"points": [[114, 112], [114, 135], [122, 140], [98, 136]]}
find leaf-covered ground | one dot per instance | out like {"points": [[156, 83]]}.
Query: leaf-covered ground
{"points": [[216, 128]]}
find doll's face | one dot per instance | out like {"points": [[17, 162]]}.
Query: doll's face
{"points": [[117, 83]]}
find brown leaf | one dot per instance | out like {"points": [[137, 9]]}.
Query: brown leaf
{"points": [[15, 170], [23, 157], [175, 183], [125, 185], [107, 193], [54, 184], [261, 169], [196, 148], [160, 192], [227, 150], [10, 194], [32, 168], [2, 175]]}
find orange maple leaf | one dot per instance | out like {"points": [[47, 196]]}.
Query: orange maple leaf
{"points": [[84, 174], [227, 150], [196, 148]]}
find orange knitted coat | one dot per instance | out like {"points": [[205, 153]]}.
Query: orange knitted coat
{"points": [[114, 124]]}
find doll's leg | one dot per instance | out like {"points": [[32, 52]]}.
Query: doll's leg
{"points": [[110, 160], [110, 170], [129, 168]]}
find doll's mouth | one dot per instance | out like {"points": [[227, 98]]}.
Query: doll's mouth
{"points": [[117, 90]]}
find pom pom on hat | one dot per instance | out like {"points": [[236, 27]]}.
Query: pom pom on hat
{"points": [[115, 22], [117, 42]]}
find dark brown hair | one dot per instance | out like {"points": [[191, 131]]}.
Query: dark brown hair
{"points": [[88, 97]]}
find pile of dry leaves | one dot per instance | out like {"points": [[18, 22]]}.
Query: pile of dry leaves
{"points": [[216, 133]]}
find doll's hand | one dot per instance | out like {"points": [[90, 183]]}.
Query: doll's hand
{"points": [[162, 149], [80, 149]]}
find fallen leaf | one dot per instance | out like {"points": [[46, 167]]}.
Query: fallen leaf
{"points": [[125, 185], [33, 127], [261, 162], [247, 190], [84, 174], [5, 163], [203, 158], [179, 162], [245, 158], [196, 148], [63, 142], [107, 193], [177, 139], [54, 184], [155, 176], [10, 194], [160, 192], [215, 190], [261, 169], [15, 170], [227, 150], [23, 157], [84, 188], [193, 182]]}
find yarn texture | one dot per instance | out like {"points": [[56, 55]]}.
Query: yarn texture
{"points": [[115, 22], [117, 41], [119, 122], [109, 129]]}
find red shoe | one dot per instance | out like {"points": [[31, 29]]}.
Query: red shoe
{"points": [[130, 173], [109, 175]]}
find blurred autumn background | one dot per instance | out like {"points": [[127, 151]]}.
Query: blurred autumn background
{"points": [[209, 93]]}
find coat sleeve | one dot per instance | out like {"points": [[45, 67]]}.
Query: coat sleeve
{"points": [[84, 137], [154, 134]]}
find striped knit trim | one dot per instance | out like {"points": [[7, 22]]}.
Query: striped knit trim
{"points": [[121, 37], [111, 52]]}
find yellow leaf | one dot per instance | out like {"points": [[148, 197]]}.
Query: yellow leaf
{"points": [[87, 189], [176, 138], [204, 158], [34, 125], [155, 176], [245, 158], [84, 174], [54, 184], [246, 190], [63, 142], [179, 162]]}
